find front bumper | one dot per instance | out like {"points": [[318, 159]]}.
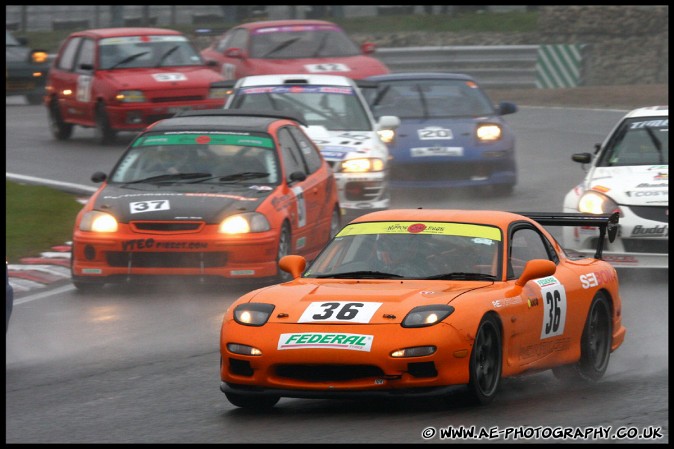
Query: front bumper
{"points": [[137, 116], [126, 254], [363, 192], [333, 372]]}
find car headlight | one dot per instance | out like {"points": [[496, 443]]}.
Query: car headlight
{"points": [[39, 57], [362, 165], [593, 202], [130, 96], [218, 93], [387, 135], [244, 223], [97, 221], [488, 132], [253, 313], [429, 315]]}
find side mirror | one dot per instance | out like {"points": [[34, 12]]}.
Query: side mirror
{"points": [[235, 53], [99, 176], [536, 268], [293, 264], [211, 63], [87, 67], [583, 158], [368, 48], [388, 122], [506, 107]]}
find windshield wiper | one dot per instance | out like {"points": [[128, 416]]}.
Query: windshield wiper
{"points": [[170, 177], [166, 55], [364, 274], [281, 46], [321, 44], [129, 59], [464, 276], [235, 176]]}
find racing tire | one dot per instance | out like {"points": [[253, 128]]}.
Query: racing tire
{"points": [[284, 243], [59, 129], [595, 345], [486, 360], [252, 401], [103, 132], [34, 99]]}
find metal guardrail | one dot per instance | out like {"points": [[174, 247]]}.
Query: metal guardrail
{"points": [[493, 66]]}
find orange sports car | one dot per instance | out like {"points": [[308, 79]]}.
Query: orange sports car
{"points": [[420, 302], [206, 195]]}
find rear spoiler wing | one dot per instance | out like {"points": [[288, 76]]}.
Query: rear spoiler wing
{"points": [[607, 223]]}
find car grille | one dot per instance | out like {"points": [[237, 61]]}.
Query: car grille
{"points": [[166, 226], [363, 190], [328, 373], [166, 259], [442, 171], [654, 213], [177, 99]]}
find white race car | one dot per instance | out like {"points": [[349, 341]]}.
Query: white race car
{"points": [[629, 173], [340, 123]]}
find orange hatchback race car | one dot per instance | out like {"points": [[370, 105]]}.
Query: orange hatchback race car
{"points": [[207, 195], [124, 79], [420, 302]]}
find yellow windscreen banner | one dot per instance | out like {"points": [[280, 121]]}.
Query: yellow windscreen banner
{"points": [[408, 227]]}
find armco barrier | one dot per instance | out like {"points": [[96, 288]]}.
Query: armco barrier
{"points": [[493, 66]]}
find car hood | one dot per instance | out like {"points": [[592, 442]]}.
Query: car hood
{"points": [[164, 78], [180, 202], [339, 145], [392, 300], [354, 67], [632, 185]]}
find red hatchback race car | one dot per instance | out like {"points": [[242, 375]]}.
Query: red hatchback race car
{"points": [[123, 79], [292, 46]]}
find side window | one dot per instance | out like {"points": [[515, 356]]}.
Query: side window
{"points": [[223, 44], [239, 39], [67, 59], [309, 151], [292, 157], [525, 244], [85, 55]]}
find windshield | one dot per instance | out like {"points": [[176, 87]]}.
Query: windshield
{"points": [[301, 41], [412, 250], [426, 98], [638, 141], [199, 157], [337, 108], [146, 51]]}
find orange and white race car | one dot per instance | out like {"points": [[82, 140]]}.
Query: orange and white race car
{"points": [[418, 302]]}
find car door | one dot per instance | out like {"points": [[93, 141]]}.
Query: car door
{"points": [[306, 193], [72, 80]]}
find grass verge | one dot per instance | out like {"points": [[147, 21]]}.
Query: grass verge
{"points": [[37, 218]]}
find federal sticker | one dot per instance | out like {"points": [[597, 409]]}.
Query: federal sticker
{"points": [[325, 340]]}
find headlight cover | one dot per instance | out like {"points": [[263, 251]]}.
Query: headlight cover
{"points": [[488, 132], [97, 221], [423, 316], [244, 223], [253, 313], [593, 202], [219, 93], [130, 96], [362, 165]]}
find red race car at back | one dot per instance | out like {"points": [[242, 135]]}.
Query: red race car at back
{"points": [[292, 46]]}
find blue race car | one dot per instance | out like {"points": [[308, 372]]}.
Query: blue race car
{"points": [[451, 134]]}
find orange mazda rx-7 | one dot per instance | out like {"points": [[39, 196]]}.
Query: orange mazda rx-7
{"points": [[419, 302]]}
